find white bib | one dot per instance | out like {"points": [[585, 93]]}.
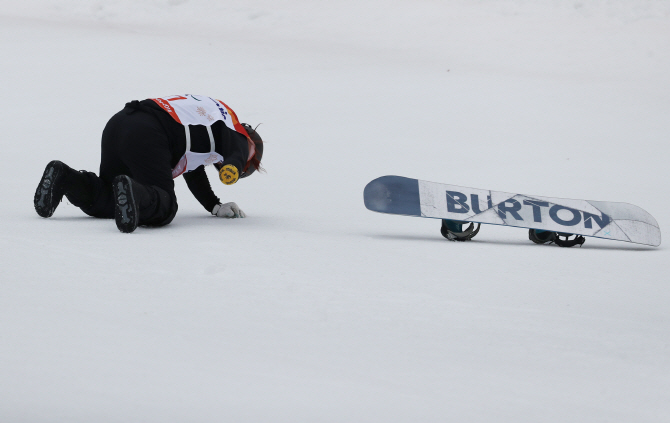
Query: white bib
{"points": [[191, 109]]}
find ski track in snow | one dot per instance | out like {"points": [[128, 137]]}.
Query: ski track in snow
{"points": [[313, 308]]}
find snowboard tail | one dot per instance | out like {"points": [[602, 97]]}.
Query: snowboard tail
{"points": [[601, 219]]}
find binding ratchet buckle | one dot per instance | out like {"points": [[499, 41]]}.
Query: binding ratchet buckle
{"points": [[453, 230]]}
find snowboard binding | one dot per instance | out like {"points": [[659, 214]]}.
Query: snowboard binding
{"points": [[453, 230], [559, 238]]}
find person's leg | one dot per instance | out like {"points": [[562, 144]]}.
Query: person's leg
{"points": [[51, 188], [133, 144], [142, 147], [61, 180], [111, 165], [91, 193], [145, 151]]}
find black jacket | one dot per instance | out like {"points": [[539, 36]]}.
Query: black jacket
{"points": [[228, 143]]}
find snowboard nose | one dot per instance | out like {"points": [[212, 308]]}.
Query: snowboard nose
{"points": [[393, 194]]}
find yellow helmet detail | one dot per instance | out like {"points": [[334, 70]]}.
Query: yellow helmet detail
{"points": [[229, 174]]}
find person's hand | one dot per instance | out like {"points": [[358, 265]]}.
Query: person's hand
{"points": [[228, 210]]}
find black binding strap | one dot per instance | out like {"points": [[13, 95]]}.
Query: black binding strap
{"points": [[563, 240], [465, 235]]}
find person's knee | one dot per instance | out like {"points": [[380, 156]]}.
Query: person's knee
{"points": [[157, 206]]}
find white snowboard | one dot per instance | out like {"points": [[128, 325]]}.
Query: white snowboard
{"points": [[601, 219]]}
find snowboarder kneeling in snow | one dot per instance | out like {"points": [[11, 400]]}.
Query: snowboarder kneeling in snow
{"points": [[144, 147]]}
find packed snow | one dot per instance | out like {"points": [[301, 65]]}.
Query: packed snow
{"points": [[314, 308]]}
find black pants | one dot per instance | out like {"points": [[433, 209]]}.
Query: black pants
{"points": [[134, 143]]}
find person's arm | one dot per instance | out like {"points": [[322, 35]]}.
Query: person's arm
{"points": [[198, 183], [234, 148]]}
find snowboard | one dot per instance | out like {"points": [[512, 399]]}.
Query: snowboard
{"points": [[600, 219]]}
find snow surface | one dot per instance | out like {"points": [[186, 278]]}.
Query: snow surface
{"points": [[314, 308]]}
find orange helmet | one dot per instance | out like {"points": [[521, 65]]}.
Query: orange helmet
{"points": [[254, 162]]}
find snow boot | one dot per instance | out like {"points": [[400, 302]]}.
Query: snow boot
{"points": [[132, 203], [126, 214], [51, 188]]}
